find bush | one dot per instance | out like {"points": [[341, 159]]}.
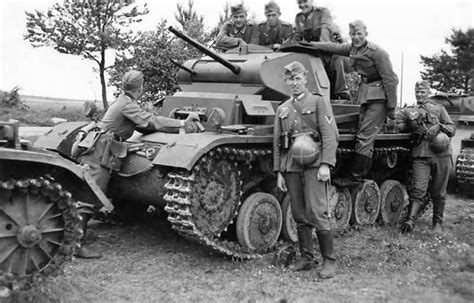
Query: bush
{"points": [[12, 99]]}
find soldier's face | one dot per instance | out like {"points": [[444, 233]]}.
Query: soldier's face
{"points": [[305, 5], [358, 37], [239, 20], [296, 83], [272, 18], [421, 94]]}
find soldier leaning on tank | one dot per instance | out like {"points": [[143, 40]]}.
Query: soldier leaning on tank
{"points": [[117, 125], [238, 31], [430, 126], [274, 32], [304, 148], [377, 92], [316, 24]]}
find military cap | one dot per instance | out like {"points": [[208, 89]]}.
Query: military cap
{"points": [[293, 69], [357, 25], [422, 85], [132, 80], [272, 7], [237, 9]]}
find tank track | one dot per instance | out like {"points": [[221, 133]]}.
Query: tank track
{"points": [[465, 170], [178, 193], [71, 224]]}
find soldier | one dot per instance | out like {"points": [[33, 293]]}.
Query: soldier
{"points": [[238, 31], [430, 126], [274, 32], [304, 148], [118, 124], [316, 24], [377, 92]]}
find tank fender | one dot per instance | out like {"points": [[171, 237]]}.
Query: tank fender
{"points": [[54, 160]]}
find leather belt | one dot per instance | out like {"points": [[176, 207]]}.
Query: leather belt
{"points": [[370, 80]]}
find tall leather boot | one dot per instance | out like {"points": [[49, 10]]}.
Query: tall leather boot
{"points": [[438, 211], [326, 245], [305, 240], [86, 251], [409, 224], [360, 168]]}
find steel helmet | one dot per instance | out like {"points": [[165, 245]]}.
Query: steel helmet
{"points": [[304, 150], [439, 143]]}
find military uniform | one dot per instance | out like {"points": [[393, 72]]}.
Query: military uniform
{"points": [[270, 35], [319, 26], [377, 91], [417, 119], [229, 35]]}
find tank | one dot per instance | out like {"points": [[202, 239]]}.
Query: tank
{"points": [[218, 186], [41, 198]]}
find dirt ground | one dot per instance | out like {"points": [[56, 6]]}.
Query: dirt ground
{"points": [[148, 262]]}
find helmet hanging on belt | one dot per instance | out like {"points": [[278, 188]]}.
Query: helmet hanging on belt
{"points": [[439, 143], [304, 150]]}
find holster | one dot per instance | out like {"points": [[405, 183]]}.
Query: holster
{"points": [[371, 91], [113, 155]]}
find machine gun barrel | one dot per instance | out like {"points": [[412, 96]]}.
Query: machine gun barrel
{"points": [[233, 67]]}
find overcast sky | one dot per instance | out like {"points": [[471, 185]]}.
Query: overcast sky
{"points": [[411, 27]]}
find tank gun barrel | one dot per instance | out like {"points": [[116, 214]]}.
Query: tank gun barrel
{"points": [[233, 67]]}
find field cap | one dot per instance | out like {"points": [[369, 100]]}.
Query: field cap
{"points": [[422, 85], [293, 69], [237, 9], [272, 7], [132, 80], [357, 25]]}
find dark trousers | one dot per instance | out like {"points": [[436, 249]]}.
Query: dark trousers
{"points": [[436, 167], [372, 116], [334, 66], [309, 203]]}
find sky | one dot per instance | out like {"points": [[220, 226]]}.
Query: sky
{"points": [[404, 28]]}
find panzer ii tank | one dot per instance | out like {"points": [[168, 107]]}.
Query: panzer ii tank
{"points": [[218, 186], [41, 197]]}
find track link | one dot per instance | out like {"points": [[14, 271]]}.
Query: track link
{"points": [[465, 170]]}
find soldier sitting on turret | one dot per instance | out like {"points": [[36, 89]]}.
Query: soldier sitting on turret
{"points": [[274, 32], [238, 31]]}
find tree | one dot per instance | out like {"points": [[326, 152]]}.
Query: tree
{"points": [[87, 28], [451, 72]]}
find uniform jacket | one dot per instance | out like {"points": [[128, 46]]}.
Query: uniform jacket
{"points": [[425, 115], [287, 119], [124, 115], [229, 35], [318, 26], [280, 33], [373, 64]]}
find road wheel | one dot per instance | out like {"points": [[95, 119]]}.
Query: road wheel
{"points": [[259, 222], [288, 230], [366, 203], [394, 198], [340, 206]]}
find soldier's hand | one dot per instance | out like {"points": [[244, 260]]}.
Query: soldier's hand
{"points": [[281, 184], [391, 123], [434, 130], [190, 127], [324, 174], [391, 113], [193, 117]]}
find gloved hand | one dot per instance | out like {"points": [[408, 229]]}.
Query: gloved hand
{"points": [[190, 124], [433, 131]]}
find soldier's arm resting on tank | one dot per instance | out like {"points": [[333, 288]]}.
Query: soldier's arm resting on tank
{"points": [[328, 132], [343, 49], [224, 40], [447, 125], [148, 121], [389, 78]]}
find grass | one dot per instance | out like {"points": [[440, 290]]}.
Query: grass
{"points": [[41, 115], [148, 262]]}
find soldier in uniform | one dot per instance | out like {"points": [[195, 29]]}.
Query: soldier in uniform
{"points": [[118, 124], [304, 148], [316, 24], [377, 92], [274, 32], [430, 126], [237, 31]]}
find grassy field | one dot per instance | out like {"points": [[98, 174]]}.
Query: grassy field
{"points": [[148, 262], [41, 114]]}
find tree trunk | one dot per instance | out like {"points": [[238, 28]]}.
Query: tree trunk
{"points": [[102, 79]]}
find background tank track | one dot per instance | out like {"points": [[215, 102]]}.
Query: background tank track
{"points": [[179, 191], [43, 237], [465, 171]]}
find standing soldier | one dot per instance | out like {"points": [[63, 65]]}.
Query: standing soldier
{"points": [[237, 31], [304, 148], [377, 92], [316, 24], [117, 125], [274, 32], [431, 128]]}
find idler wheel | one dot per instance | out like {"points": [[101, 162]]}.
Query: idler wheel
{"points": [[340, 206], [394, 198], [259, 221], [366, 203], [288, 230]]}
